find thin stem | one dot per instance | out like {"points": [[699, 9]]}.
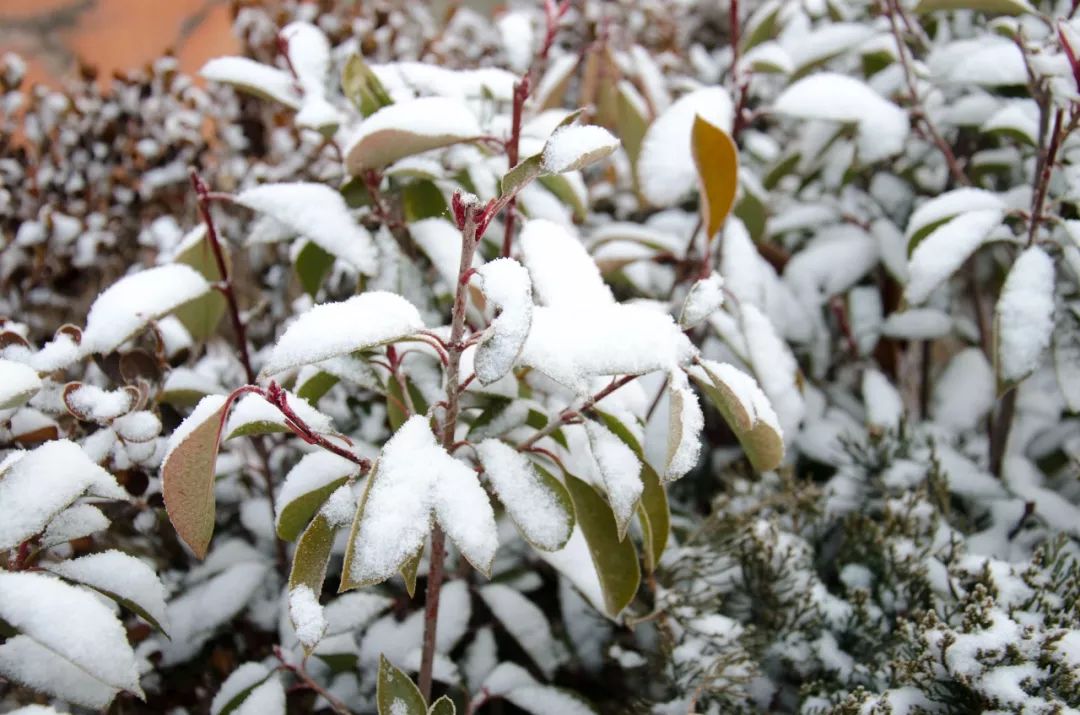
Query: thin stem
{"points": [[455, 347], [1046, 170], [308, 682], [275, 395], [999, 438], [568, 415]]}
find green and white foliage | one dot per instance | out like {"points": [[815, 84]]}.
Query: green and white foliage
{"points": [[584, 357]]}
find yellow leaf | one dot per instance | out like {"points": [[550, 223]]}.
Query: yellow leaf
{"points": [[717, 162]]}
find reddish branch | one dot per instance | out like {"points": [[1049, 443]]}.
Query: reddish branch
{"points": [[569, 415]]}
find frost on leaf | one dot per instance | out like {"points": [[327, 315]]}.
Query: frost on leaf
{"points": [[574, 147], [704, 298], [506, 285], [121, 577], [414, 479], [408, 128], [128, 305], [882, 126], [537, 502], [945, 249], [307, 486], [42, 483], [684, 428], [187, 473], [665, 167], [334, 329], [72, 623], [18, 383], [620, 472], [1024, 316], [318, 213], [746, 409]]}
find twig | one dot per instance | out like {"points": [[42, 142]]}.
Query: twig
{"points": [[308, 682], [568, 415]]}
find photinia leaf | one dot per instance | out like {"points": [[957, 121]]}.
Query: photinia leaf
{"points": [[238, 686], [442, 706], [312, 265], [310, 559], [717, 161], [655, 516], [201, 315], [520, 176], [18, 383], [746, 410], [396, 693], [123, 578], [293, 516], [409, 570], [362, 87], [615, 559], [990, 7], [407, 128], [187, 473], [422, 199], [315, 386]]}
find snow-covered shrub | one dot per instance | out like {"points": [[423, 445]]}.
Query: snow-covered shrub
{"points": [[587, 357]]}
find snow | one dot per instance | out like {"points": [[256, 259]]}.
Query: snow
{"points": [[333, 329], [409, 127], [253, 410], [832, 263], [685, 424], [883, 126], [263, 79], [620, 472], [705, 296], [884, 406], [665, 166], [505, 284], [141, 426], [405, 80], [775, 368], [121, 575], [413, 478], [951, 203], [309, 55], [563, 273], [125, 307], [94, 404], [266, 699], [74, 522], [340, 507], [575, 343], [964, 392], [72, 623], [41, 484], [25, 661], [351, 611], [988, 61], [245, 677], [307, 615], [917, 324], [516, 33], [314, 471], [526, 623], [318, 213], [576, 146], [18, 383], [945, 249], [542, 518], [1025, 315]]}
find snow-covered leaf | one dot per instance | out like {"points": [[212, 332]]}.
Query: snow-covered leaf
{"points": [[187, 473], [305, 612], [933, 213], [746, 410], [334, 329], [72, 623], [42, 483], [123, 578], [703, 298], [414, 479], [128, 305], [536, 501], [620, 472], [684, 428], [362, 87], [883, 126], [523, 620], [396, 694], [884, 406], [665, 167], [92, 404], [267, 698], [1024, 317], [307, 486], [991, 7], [411, 127], [255, 78], [201, 315], [574, 147], [945, 249], [1066, 351], [717, 160], [562, 272], [75, 522], [254, 415], [25, 661], [237, 687], [18, 383], [507, 286], [309, 564], [614, 559], [318, 213]]}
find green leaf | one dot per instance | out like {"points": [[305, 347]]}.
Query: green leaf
{"points": [[615, 561], [630, 121], [396, 693], [621, 431], [538, 420], [310, 558], [407, 128], [201, 315], [314, 387], [356, 194], [241, 696], [362, 87], [312, 265], [442, 706], [655, 516], [395, 404], [761, 25], [990, 7], [294, 516], [422, 199], [517, 178], [763, 445], [187, 474], [409, 569], [565, 191], [717, 161]]}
